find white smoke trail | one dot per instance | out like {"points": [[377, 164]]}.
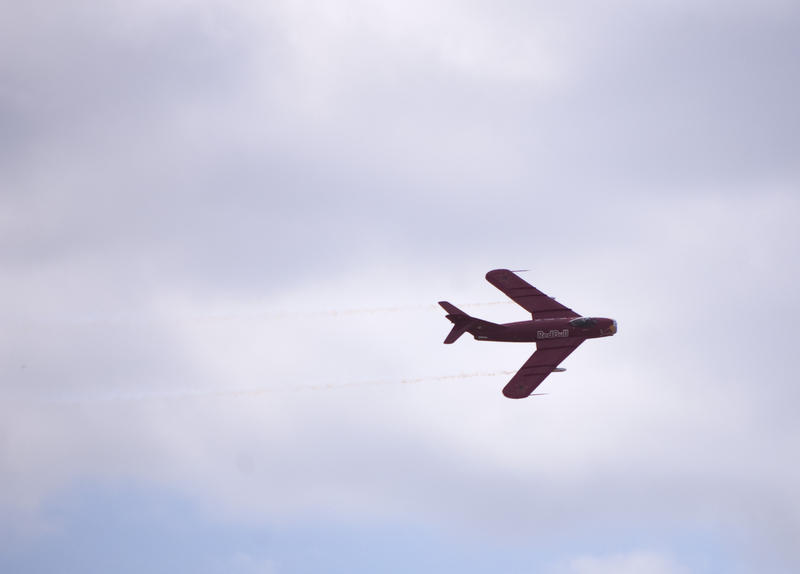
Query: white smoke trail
{"points": [[397, 309], [266, 314], [182, 394]]}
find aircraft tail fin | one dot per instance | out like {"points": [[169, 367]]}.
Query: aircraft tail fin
{"points": [[463, 323]]}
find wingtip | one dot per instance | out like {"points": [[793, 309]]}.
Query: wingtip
{"points": [[511, 395], [503, 272], [495, 273]]}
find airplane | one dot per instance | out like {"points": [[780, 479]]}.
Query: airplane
{"points": [[557, 330]]}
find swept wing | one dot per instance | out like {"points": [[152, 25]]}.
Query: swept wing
{"points": [[547, 357], [539, 305]]}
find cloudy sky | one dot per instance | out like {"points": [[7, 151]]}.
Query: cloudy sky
{"points": [[224, 227]]}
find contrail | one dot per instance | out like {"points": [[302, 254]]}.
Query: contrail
{"points": [[182, 394]]}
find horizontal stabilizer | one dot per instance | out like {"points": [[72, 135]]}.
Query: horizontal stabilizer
{"points": [[458, 330], [463, 323], [452, 309]]}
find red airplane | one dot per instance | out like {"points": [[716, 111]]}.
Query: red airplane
{"points": [[557, 330]]}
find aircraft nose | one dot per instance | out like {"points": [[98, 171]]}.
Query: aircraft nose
{"points": [[608, 327]]}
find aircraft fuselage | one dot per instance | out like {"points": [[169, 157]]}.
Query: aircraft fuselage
{"points": [[544, 330]]}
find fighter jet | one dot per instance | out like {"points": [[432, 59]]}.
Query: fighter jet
{"points": [[557, 330]]}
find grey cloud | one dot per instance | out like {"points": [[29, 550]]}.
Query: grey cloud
{"points": [[407, 143], [168, 162]]}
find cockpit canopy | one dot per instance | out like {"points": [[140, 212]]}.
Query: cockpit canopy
{"points": [[583, 322]]}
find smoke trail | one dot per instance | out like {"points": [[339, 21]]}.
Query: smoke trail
{"points": [[398, 309], [126, 317], [334, 386], [332, 313], [182, 394]]}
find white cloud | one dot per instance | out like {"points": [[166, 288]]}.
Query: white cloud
{"points": [[637, 562], [640, 424], [242, 563], [186, 214]]}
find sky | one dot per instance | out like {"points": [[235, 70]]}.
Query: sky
{"points": [[224, 228]]}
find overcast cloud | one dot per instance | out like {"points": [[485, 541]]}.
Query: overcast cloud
{"points": [[225, 227]]}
